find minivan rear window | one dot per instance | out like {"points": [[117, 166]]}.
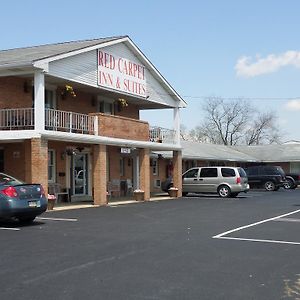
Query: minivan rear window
{"points": [[242, 172], [227, 172]]}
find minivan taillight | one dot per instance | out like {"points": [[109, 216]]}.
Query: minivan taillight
{"points": [[10, 192], [238, 180]]}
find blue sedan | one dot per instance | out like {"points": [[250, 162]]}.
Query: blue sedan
{"points": [[20, 200]]}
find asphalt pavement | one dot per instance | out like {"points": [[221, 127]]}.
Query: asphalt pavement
{"points": [[196, 247]]}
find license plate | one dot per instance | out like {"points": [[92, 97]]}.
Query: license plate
{"points": [[34, 203]]}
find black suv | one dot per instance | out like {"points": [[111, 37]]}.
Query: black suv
{"points": [[269, 177]]}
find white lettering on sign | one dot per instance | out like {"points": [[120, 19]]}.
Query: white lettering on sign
{"points": [[121, 74], [125, 150]]}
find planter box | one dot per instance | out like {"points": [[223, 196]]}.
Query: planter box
{"points": [[51, 202], [138, 196], [173, 193]]}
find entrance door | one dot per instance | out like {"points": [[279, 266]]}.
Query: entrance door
{"points": [[80, 174]]}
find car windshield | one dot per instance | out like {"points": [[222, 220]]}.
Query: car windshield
{"points": [[242, 172], [8, 180]]}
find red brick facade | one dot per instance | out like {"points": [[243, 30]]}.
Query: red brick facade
{"points": [[28, 160]]}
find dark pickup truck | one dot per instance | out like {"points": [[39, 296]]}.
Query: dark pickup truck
{"points": [[292, 180]]}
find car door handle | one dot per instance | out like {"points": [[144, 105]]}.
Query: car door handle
{"points": [[201, 179]]}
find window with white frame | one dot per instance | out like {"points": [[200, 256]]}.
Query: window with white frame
{"points": [[51, 166], [154, 164]]}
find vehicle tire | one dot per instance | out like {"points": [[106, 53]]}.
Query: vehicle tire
{"points": [[233, 195], [224, 191], [26, 220], [184, 194], [289, 184], [269, 186]]}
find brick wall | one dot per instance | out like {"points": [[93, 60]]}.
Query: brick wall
{"points": [[121, 127], [16, 92], [12, 93], [14, 160]]}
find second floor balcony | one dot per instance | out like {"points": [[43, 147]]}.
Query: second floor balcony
{"points": [[92, 124]]}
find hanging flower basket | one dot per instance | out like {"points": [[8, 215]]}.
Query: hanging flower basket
{"points": [[67, 90]]}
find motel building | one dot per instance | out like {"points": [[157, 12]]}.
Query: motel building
{"points": [[70, 119]]}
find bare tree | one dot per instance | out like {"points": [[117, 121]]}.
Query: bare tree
{"points": [[263, 130], [235, 122]]}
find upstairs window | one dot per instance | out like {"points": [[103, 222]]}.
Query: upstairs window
{"points": [[106, 105]]}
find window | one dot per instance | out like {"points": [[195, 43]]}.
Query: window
{"points": [[154, 164], [191, 173], [209, 172], [51, 166], [105, 105], [227, 172], [122, 166], [252, 171], [50, 99]]}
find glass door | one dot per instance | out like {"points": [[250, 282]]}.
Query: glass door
{"points": [[80, 174]]}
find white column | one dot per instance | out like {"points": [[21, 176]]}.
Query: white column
{"points": [[39, 101], [176, 126]]}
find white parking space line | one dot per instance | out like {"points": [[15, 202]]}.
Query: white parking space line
{"points": [[223, 235], [258, 240], [7, 228], [57, 219]]}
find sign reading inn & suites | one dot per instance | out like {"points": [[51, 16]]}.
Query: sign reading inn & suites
{"points": [[121, 74]]}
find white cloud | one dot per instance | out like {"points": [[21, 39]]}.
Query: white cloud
{"points": [[247, 67], [293, 104]]}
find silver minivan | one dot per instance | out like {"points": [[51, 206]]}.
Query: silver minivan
{"points": [[225, 181]]}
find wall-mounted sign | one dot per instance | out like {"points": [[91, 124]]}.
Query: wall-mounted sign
{"points": [[125, 150], [121, 74]]}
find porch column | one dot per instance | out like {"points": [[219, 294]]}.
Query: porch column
{"points": [[39, 101], [36, 166], [176, 126], [99, 175], [177, 171], [145, 172]]}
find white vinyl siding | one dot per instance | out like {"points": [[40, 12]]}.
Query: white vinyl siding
{"points": [[82, 68]]}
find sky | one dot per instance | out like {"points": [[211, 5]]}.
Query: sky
{"points": [[229, 49]]}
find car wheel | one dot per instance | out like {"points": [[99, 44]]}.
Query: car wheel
{"points": [[224, 191], [269, 186], [289, 184], [26, 220]]}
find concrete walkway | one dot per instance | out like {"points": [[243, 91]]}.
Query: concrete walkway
{"points": [[114, 202]]}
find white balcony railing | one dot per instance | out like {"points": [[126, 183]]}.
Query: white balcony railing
{"points": [[57, 120], [14, 119], [162, 135]]}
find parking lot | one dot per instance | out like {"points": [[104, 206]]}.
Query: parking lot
{"points": [[197, 247]]}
